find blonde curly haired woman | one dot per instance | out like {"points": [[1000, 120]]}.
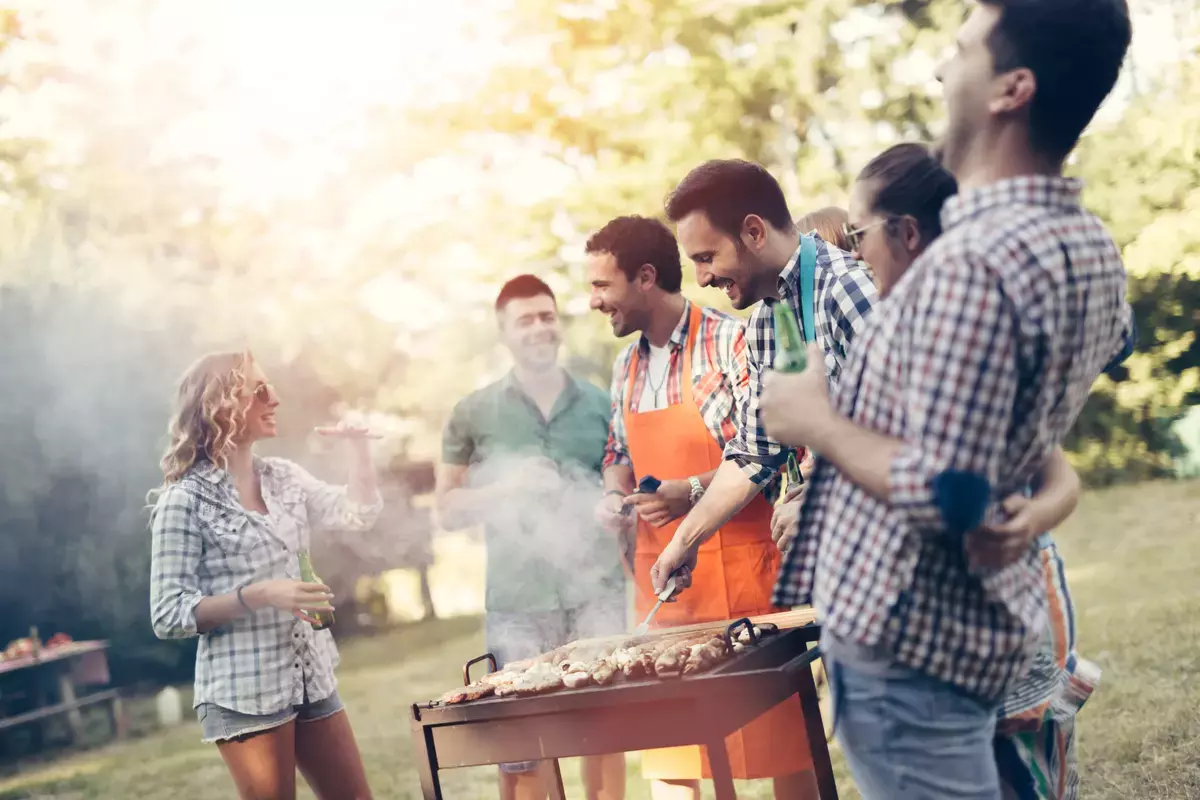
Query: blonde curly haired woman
{"points": [[228, 528]]}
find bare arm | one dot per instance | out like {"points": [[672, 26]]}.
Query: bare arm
{"points": [[727, 493], [1059, 494]]}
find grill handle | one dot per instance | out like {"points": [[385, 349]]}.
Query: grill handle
{"points": [[733, 626], [488, 657]]}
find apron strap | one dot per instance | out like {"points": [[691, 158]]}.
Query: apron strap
{"points": [[808, 276]]}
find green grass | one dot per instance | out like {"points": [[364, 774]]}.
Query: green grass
{"points": [[1133, 555]]}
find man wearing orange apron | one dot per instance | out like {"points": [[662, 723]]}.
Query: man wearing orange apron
{"points": [[677, 393]]}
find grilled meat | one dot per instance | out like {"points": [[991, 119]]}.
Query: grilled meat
{"points": [[670, 663], [467, 694], [705, 656], [603, 673], [576, 680], [578, 665]]}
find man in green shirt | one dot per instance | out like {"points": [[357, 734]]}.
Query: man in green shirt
{"points": [[523, 457]]}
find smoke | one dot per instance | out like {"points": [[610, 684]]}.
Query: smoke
{"points": [[84, 407], [542, 515]]}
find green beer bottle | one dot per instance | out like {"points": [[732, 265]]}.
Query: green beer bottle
{"points": [[790, 356], [324, 618]]}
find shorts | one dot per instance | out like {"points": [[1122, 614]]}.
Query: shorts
{"points": [[220, 724], [513, 636]]}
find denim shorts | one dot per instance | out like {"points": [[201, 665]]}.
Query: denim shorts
{"points": [[220, 724]]}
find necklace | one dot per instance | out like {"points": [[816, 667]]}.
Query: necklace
{"points": [[654, 390]]}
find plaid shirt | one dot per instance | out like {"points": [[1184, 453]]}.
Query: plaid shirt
{"points": [[843, 295], [205, 543], [980, 361], [718, 379]]}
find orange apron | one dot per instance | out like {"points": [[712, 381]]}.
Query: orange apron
{"points": [[734, 577]]}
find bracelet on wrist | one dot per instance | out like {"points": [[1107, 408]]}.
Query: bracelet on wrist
{"points": [[243, 602], [617, 492]]}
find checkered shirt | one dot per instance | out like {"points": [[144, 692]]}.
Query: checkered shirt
{"points": [[843, 294], [718, 379], [205, 544], [980, 361]]}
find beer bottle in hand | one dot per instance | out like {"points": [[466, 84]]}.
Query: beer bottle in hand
{"points": [[323, 618], [790, 356]]}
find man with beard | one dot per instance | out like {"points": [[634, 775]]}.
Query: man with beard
{"points": [[734, 223], [677, 391], [523, 455], [961, 387]]}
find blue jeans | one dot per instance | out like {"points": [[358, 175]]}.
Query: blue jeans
{"points": [[910, 737]]}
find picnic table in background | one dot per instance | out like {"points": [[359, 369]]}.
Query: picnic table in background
{"points": [[46, 681]]}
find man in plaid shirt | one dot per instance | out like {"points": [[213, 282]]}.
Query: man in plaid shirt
{"points": [[735, 225], [964, 382]]}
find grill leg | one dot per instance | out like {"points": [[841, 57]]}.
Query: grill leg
{"points": [[554, 778], [718, 760], [431, 787], [815, 728]]}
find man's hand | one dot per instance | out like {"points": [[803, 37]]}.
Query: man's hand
{"points": [[795, 407], [997, 546], [672, 501], [675, 557], [608, 513], [787, 515]]}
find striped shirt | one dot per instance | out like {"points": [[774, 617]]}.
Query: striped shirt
{"points": [[980, 361], [204, 543], [843, 295], [718, 379]]}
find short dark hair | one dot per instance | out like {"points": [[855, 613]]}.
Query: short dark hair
{"points": [[910, 181], [728, 191], [523, 287], [634, 241], [1074, 48]]}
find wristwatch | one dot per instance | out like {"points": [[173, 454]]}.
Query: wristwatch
{"points": [[697, 489]]}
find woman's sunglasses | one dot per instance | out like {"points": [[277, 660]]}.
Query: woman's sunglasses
{"points": [[854, 235], [264, 393]]}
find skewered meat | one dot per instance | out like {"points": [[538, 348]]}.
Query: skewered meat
{"points": [[603, 673], [705, 656], [467, 694], [582, 664], [576, 680], [532, 684], [670, 663]]}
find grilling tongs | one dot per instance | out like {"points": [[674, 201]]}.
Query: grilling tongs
{"points": [[663, 597]]}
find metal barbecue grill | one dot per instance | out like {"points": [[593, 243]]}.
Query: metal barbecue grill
{"points": [[696, 710]]}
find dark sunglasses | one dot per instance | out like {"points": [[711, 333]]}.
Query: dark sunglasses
{"points": [[854, 235], [264, 393]]}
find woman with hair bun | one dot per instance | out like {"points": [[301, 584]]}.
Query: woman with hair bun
{"points": [[895, 208], [228, 531]]}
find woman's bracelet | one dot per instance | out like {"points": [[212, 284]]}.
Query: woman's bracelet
{"points": [[242, 600]]}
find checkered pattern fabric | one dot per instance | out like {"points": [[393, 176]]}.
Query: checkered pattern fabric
{"points": [[980, 361], [842, 298], [718, 379], [205, 544]]}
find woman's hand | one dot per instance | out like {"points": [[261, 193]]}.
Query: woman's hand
{"points": [[290, 595], [346, 430], [362, 485]]}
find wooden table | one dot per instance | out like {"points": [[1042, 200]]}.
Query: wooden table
{"points": [[52, 678]]}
